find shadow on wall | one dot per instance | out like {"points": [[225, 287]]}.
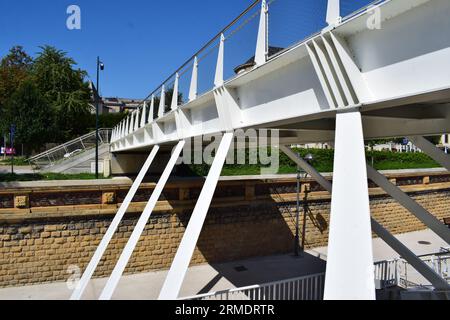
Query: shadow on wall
{"points": [[264, 233]]}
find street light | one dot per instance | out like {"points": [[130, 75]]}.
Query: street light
{"points": [[308, 158], [100, 66]]}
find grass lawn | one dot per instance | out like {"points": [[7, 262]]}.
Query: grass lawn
{"points": [[46, 176], [18, 161], [323, 162]]}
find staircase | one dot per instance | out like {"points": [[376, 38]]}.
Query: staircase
{"points": [[74, 156]]}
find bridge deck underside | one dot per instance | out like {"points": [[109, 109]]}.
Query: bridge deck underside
{"points": [[396, 76]]}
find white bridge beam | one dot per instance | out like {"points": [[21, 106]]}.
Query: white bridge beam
{"points": [[428, 273], [180, 264], [90, 269], [416, 209], [113, 280]]}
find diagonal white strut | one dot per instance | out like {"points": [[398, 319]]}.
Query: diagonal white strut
{"points": [[82, 284], [430, 149], [416, 209], [350, 269], [437, 281], [180, 264], [113, 280]]}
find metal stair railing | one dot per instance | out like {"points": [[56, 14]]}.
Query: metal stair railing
{"points": [[69, 149], [304, 288], [395, 272]]}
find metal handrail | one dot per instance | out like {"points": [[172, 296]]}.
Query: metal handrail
{"points": [[54, 155], [172, 78], [390, 271], [278, 290], [66, 144]]}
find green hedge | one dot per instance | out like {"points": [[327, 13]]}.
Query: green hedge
{"points": [[323, 162]]}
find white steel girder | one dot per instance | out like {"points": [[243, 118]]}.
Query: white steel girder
{"points": [[90, 269], [180, 264], [113, 280], [428, 273], [416, 209], [344, 65], [430, 149], [350, 269]]}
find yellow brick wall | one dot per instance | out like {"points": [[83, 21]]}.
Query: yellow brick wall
{"points": [[41, 250]]}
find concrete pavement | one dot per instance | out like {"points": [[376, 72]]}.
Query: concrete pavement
{"points": [[214, 277]]}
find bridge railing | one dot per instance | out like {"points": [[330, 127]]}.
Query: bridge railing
{"points": [[304, 288], [260, 32], [398, 272], [69, 149]]}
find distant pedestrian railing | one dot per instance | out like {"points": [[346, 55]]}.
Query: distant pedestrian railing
{"points": [[303, 288], [388, 273], [398, 272], [261, 32], [69, 149]]}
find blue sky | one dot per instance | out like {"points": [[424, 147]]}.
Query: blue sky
{"points": [[140, 41]]}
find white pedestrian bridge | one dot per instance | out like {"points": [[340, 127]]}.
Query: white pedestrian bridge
{"points": [[380, 71]]}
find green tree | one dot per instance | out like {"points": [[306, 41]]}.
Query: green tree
{"points": [[14, 70], [34, 120], [65, 90]]}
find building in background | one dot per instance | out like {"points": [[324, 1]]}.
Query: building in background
{"points": [[113, 104]]}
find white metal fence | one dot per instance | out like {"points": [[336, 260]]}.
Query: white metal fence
{"points": [[389, 273], [398, 272], [69, 149], [303, 288], [232, 51]]}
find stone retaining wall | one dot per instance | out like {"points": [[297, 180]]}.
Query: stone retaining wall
{"points": [[44, 231]]}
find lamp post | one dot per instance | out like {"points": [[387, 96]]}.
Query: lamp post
{"points": [[300, 174], [100, 66], [11, 136]]}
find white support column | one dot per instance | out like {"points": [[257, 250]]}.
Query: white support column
{"points": [[174, 103], [385, 235], [350, 269], [416, 209], [151, 112], [333, 12], [162, 102], [180, 264], [127, 126], [113, 280], [436, 280], [82, 284], [431, 150], [136, 120], [144, 114], [261, 43], [218, 79], [194, 81], [131, 123], [308, 168]]}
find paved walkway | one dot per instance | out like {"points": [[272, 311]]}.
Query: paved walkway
{"points": [[207, 278], [17, 169]]}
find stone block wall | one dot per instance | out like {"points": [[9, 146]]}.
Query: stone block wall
{"points": [[247, 219]]}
